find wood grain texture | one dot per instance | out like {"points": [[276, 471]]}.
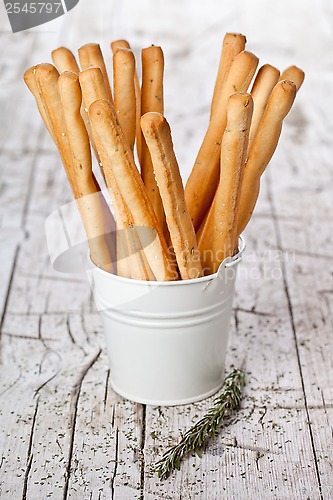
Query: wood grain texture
{"points": [[64, 432]]}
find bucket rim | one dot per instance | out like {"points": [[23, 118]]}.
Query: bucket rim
{"points": [[228, 262]]}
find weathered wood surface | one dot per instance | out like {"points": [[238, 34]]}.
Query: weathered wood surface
{"points": [[64, 432]]}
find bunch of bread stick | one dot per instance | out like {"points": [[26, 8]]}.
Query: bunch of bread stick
{"points": [[163, 231]]}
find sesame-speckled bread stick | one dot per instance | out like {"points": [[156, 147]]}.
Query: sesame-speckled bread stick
{"points": [[219, 235], [31, 83], [89, 201], [265, 81], [123, 44], [202, 183], [152, 100], [157, 134], [64, 60], [48, 78], [93, 88], [233, 44], [266, 140], [129, 263], [124, 93], [117, 156], [47, 83]]}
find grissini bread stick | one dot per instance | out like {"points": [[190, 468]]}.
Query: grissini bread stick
{"points": [[119, 44], [47, 82], [64, 60], [93, 88], [30, 81], [202, 225], [123, 44], [124, 92], [294, 74], [138, 263], [265, 81], [222, 219], [265, 142], [131, 260], [91, 55], [128, 262], [152, 100], [202, 183], [93, 85], [122, 247], [120, 158], [233, 44], [89, 202], [157, 134]]}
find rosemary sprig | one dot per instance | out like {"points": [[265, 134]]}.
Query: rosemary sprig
{"points": [[206, 428]]}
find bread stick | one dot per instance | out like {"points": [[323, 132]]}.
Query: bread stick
{"points": [[64, 60], [264, 83], [294, 74], [117, 156], [129, 264], [91, 55], [137, 260], [119, 44], [92, 85], [131, 259], [124, 93], [30, 81], [152, 100], [89, 202], [157, 134], [233, 44], [47, 83], [221, 223], [265, 142], [123, 44], [93, 88], [202, 183]]}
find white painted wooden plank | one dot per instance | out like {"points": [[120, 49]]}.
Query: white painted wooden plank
{"points": [[9, 241], [14, 179], [308, 277], [50, 379]]}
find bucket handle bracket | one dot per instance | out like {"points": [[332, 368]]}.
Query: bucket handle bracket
{"points": [[232, 261]]}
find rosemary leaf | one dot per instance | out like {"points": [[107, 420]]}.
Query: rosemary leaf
{"points": [[207, 427]]}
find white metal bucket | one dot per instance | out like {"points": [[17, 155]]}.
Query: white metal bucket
{"points": [[166, 341]]}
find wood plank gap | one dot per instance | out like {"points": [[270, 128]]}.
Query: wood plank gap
{"points": [[115, 463], [30, 454], [106, 389], [31, 177]]}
